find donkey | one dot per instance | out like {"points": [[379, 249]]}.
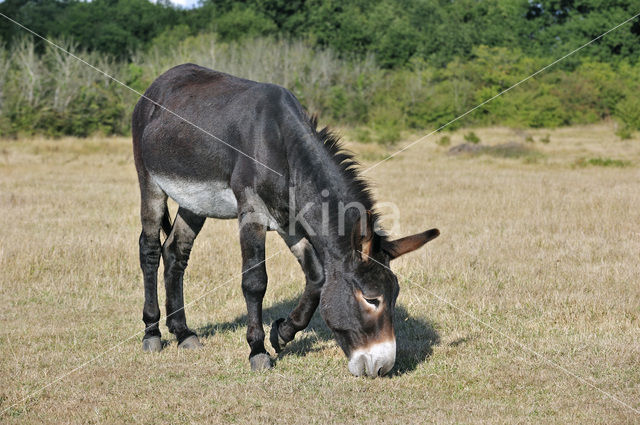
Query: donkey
{"points": [[269, 166]]}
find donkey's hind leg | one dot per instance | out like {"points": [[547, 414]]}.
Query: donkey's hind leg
{"points": [[175, 254], [154, 216]]}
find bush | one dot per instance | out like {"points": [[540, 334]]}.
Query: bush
{"points": [[628, 111], [472, 137], [624, 132], [242, 22], [386, 132], [444, 141], [362, 134]]}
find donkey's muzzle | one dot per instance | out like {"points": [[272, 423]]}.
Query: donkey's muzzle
{"points": [[375, 360]]}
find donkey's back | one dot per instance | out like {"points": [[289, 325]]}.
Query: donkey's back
{"points": [[196, 129]]}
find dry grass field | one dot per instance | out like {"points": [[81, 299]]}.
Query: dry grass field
{"points": [[539, 247]]}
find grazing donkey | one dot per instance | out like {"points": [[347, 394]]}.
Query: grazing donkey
{"points": [[268, 166]]}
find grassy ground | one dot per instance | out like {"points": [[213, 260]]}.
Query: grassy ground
{"points": [[542, 246]]}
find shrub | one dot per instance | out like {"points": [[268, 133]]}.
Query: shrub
{"points": [[444, 141], [624, 132], [628, 111], [362, 134], [386, 132], [242, 22], [472, 137]]}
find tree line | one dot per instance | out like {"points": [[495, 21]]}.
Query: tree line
{"points": [[378, 65], [396, 31]]}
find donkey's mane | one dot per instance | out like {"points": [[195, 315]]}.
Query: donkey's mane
{"points": [[346, 162], [348, 166]]}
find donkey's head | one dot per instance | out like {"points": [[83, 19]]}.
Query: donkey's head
{"points": [[358, 300]]}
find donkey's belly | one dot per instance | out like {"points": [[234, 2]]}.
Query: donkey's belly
{"points": [[208, 199]]}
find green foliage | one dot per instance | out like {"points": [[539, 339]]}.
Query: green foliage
{"points": [[510, 150], [171, 38], [242, 22], [628, 111], [386, 131], [115, 27], [472, 137], [603, 162], [624, 133], [54, 94], [396, 31], [444, 141], [51, 93], [362, 134], [135, 78]]}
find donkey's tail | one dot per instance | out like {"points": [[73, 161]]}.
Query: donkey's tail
{"points": [[139, 119]]}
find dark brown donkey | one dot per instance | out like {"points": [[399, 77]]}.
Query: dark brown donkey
{"points": [[248, 150]]}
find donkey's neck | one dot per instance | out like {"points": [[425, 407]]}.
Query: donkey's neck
{"points": [[328, 198], [327, 214]]}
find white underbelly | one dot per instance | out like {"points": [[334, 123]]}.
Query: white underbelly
{"points": [[207, 199]]}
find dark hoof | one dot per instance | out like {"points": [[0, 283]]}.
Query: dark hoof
{"points": [[191, 343], [276, 340], [260, 362], [152, 344]]}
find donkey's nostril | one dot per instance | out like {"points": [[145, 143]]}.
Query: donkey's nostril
{"points": [[385, 369]]}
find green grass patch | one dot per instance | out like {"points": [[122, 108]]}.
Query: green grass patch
{"points": [[602, 162], [511, 150]]}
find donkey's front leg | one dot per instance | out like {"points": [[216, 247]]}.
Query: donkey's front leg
{"points": [[284, 330], [254, 286]]}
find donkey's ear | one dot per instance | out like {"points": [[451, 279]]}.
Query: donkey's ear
{"points": [[410, 243], [362, 236]]}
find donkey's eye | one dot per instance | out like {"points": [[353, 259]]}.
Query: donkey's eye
{"points": [[373, 301]]}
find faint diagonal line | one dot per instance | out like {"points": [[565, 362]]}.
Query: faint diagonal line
{"points": [[513, 340], [139, 94], [99, 356], [497, 95]]}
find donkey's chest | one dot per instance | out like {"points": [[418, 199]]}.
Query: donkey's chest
{"points": [[208, 199]]}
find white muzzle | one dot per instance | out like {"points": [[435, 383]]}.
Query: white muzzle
{"points": [[375, 360]]}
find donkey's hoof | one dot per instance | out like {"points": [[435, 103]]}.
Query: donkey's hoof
{"points": [[191, 343], [275, 339], [260, 362], [152, 344]]}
